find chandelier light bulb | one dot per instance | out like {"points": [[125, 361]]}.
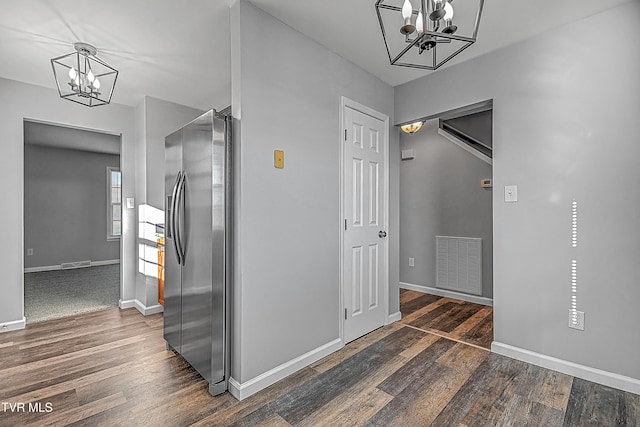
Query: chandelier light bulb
{"points": [[419, 22], [90, 76], [448, 19], [406, 9], [448, 11], [72, 74], [96, 84]]}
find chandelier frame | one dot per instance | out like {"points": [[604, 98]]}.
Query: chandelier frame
{"points": [[430, 36], [89, 68]]}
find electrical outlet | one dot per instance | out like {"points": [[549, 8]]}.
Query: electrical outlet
{"points": [[412, 262], [29, 252], [578, 321]]}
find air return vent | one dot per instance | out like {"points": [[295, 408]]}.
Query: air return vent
{"points": [[459, 264], [76, 264]]}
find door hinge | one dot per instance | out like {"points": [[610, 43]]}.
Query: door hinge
{"points": [[345, 225], [345, 134], [345, 314]]}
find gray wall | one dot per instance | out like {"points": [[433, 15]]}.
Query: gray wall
{"points": [[161, 119], [565, 113], [154, 120], [65, 206], [286, 93], [440, 195], [20, 101]]}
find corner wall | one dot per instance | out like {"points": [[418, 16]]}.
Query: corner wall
{"points": [[20, 101], [286, 93], [566, 127]]}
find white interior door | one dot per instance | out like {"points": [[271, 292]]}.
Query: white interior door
{"points": [[365, 206]]}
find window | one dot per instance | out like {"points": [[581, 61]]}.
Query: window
{"points": [[114, 203]]}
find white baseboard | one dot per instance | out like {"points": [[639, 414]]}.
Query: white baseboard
{"points": [[599, 376], [13, 325], [449, 294], [59, 266], [130, 303], [393, 318], [147, 311], [243, 390]]}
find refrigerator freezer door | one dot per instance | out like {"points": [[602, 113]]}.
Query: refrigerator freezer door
{"points": [[197, 245]]}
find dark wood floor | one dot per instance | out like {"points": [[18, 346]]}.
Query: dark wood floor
{"points": [[111, 368], [450, 318]]}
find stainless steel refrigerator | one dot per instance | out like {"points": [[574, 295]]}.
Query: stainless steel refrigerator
{"points": [[197, 245]]}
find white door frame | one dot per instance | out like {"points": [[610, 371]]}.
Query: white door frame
{"points": [[344, 103]]}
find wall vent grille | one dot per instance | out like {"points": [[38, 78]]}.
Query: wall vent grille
{"points": [[459, 264], [76, 264]]}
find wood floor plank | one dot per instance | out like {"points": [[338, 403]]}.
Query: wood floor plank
{"points": [[317, 392], [428, 318], [472, 322], [420, 402], [552, 390], [240, 410], [359, 402], [422, 300], [415, 368], [43, 407], [350, 413], [68, 369], [341, 407], [421, 311], [454, 317], [591, 404], [481, 334], [477, 396], [303, 401], [463, 357], [354, 347], [84, 380], [406, 295], [70, 416]]}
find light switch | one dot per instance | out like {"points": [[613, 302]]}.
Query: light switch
{"points": [[278, 159], [511, 193], [130, 203]]}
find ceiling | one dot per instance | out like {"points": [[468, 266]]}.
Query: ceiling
{"points": [[179, 50]]}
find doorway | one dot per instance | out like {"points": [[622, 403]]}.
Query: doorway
{"points": [[72, 220], [365, 213], [446, 221]]}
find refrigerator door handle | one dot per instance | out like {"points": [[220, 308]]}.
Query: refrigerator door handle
{"points": [[177, 231], [172, 220]]}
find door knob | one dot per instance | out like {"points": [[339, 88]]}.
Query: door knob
{"points": [[382, 234]]}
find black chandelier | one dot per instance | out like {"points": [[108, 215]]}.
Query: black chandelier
{"points": [[432, 34], [84, 78]]}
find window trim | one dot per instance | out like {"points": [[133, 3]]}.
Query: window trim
{"points": [[110, 235]]}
